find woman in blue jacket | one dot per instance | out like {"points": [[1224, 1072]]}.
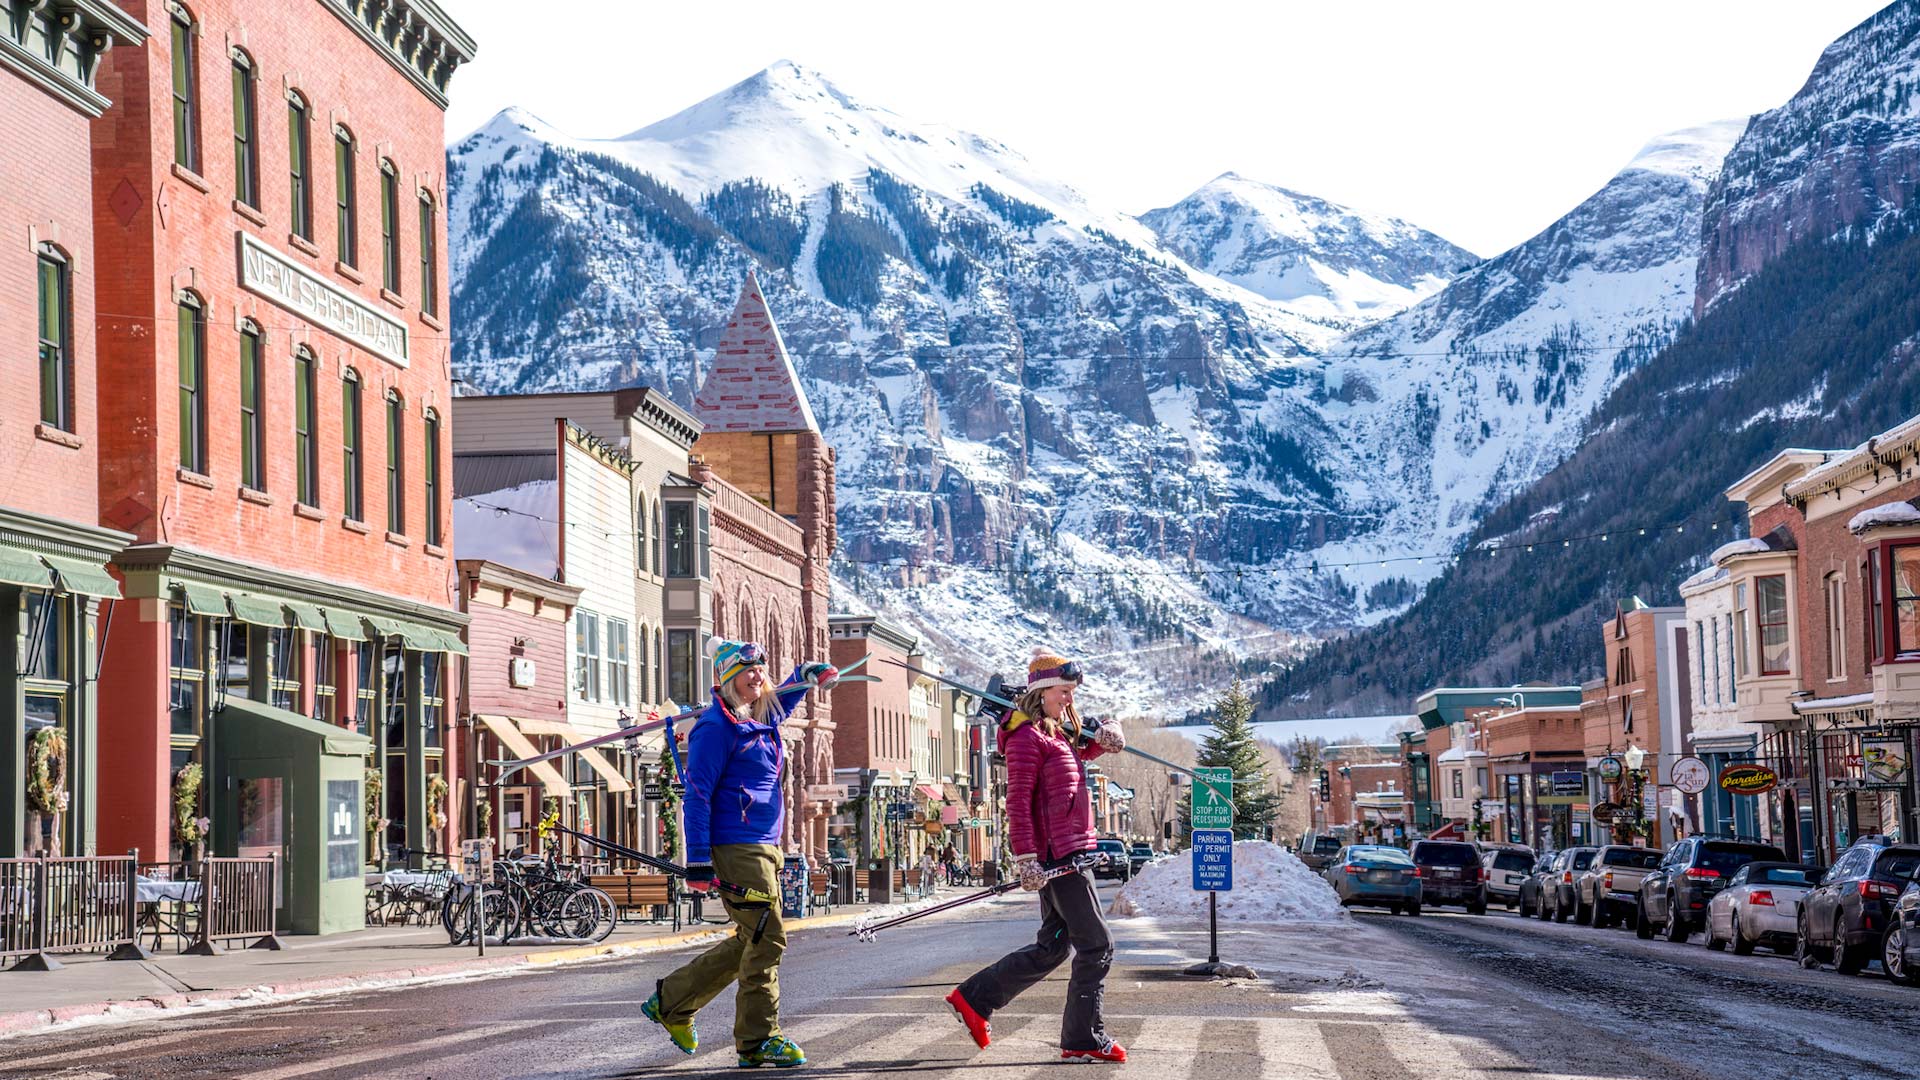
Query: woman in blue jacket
{"points": [[734, 818]]}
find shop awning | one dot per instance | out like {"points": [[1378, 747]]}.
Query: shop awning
{"points": [[504, 729], [930, 792], [21, 567], [291, 725], [443, 641], [305, 616], [83, 577], [344, 625], [201, 599], [255, 610], [573, 736]]}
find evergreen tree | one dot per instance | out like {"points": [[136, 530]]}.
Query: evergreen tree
{"points": [[1232, 746]]}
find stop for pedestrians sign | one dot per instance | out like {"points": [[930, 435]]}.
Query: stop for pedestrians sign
{"points": [[1212, 804]]}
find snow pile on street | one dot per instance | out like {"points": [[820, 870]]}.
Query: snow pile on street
{"points": [[1894, 513], [1270, 885]]}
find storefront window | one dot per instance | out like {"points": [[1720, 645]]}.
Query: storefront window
{"points": [[682, 670], [1906, 600], [323, 677], [186, 672], [284, 686], [234, 638], [1776, 651], [433, 697]]}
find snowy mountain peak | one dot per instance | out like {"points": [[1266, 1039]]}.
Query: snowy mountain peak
{"points": [[1317, 258], [1694, 152]]}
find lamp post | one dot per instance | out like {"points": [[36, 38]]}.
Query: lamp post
{"points": [[1635, 758]]}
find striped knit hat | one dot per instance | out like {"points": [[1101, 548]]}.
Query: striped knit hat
{"points": [[1045, 669], [730, 658]]}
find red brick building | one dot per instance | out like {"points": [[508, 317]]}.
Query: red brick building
{"points": [[1527, 748], [1642, 703], [271, 182], [53, 585], [873, 745]]}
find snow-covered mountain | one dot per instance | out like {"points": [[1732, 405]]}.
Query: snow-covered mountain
{"points": [[1450, 406], [1049, 421], [1843, 152], [1327, 262]]}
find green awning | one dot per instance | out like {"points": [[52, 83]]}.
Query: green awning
{"points": [[202, 599], [419, 638], [253, 609], [344, 625], [84, 577], [381, 628], [291, 727], [21, 567], [445, 642], [305, 616]]}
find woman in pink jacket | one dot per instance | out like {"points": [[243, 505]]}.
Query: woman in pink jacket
{"points": [[1049, 821]]}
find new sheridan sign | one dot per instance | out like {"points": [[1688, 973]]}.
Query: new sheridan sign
{"points": [[278, 278]]}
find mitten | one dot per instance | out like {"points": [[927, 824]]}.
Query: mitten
{"points": [[823, 676], [1110, 737], [1032, 877]]}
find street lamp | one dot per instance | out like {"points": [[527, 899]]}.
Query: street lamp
{"points": [[1635, 757]]}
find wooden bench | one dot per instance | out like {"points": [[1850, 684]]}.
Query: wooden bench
{"points": [[820, 885], [911, 882], [630, 892]]}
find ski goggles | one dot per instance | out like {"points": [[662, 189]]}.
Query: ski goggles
{"points": [[1070, 671], [749, 654]]}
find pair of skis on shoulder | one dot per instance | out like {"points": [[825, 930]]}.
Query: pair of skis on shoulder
{"points": [[631, 733]]}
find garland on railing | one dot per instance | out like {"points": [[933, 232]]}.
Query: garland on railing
{"points": [[47, 771], [669, 802], [188, 826]]}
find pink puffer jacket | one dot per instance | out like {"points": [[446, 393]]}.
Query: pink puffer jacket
{"points": [[1049, 809]]}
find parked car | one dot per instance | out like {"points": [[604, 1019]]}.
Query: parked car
{"points": [[1376, 875], [1506, 868], [1532, 887], [1847, 917], [1674, 897], [1900, 951], [1607, 889], [1450, 873], [1139, 855], [1760, 906], [1117, 863], [1318, 849], [1556, 892]]}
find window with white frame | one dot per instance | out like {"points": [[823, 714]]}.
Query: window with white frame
{"points": [[1836, 627], [586, 654], [619, 663]]}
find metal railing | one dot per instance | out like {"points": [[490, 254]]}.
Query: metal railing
{"points": [[238, 900], [68, 904]]}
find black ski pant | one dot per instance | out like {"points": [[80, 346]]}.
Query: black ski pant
{"points": [[1069, 921]]}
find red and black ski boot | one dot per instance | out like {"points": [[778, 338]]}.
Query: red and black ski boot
{"points": [[975, 1024]]}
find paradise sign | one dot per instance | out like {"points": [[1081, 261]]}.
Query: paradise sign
{"points": [[1748, 779]]}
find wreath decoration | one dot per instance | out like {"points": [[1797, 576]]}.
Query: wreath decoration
{"points": [[47, 771], [436, 802]]}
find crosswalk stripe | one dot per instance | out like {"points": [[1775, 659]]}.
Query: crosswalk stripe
{"points": [[1294, 1050], [1166, 1043], [388, 1052]]}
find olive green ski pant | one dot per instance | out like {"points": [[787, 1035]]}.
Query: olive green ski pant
{"points": [[756, 966]]}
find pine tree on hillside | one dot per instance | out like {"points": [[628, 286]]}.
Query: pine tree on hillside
{"points": [[1232, 745]]}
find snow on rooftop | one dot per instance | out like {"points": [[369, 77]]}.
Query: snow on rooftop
{"points": [[1753, 545], [1712, 573], [1893, 513]]}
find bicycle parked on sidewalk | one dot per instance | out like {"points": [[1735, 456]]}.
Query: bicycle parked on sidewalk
{"points": [[530, 898]]}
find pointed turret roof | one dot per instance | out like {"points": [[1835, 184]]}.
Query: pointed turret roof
{"points": [[752, 385]]}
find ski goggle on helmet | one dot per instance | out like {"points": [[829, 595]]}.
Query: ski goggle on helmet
{"points": [[1071, 671]]}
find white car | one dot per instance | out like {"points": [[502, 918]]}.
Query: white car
{"points": [[1506, 868], [1760, 906]]}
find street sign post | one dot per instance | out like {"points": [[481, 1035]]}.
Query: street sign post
{"points": [[1213, 875], [1211, 808]]}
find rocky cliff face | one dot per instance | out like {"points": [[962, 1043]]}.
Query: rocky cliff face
{"points": [[1844, 152]]}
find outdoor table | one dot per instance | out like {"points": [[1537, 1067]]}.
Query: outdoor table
{"points": [[164, 905]]}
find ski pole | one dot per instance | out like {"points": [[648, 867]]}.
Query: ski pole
{"points": [[998, 700], [866, 931]]}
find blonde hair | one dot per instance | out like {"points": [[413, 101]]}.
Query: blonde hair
{"points": [[1033, 704], [761, 711]]}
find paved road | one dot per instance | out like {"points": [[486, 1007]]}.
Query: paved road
{"points": [[1446, 997]]}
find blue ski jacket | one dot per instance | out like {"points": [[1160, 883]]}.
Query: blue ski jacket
{"points": [[733, 774]]}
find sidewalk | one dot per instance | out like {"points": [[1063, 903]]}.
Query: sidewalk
{"points": [[90, 989]]}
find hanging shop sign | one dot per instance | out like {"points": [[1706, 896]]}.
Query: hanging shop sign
{"points": [[1603, 813], [1690, 775], [1611, 768], [1885, 761], [1748, 779]]}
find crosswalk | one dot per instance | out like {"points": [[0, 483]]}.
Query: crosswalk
{"points": [[881, 1038]]}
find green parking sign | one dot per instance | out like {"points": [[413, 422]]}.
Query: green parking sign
{"points": [[1212, 801]]}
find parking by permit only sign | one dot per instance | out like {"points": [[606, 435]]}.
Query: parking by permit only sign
{"points": [[1213, 860]]}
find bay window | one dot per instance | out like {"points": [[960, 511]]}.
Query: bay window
{"points": [[1906, 600], [1770, 600]]}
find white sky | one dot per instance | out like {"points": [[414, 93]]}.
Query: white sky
{"points": [[1482, 121]]}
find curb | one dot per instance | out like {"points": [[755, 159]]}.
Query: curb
{"points": [[31, 1021]]}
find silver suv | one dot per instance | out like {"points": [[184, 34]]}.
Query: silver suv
{"points": [[1609, 889]]}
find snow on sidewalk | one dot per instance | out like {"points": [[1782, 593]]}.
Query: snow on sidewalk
{"points": [[1270, 885]]}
